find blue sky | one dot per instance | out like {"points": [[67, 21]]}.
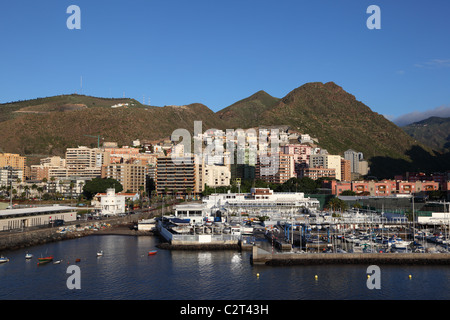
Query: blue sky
{"points": [[217, 52]]}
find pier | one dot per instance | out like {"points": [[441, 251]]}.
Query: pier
{"points": [[262, 257]]}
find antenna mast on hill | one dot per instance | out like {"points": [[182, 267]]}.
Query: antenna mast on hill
{"points": [[81, 84]]}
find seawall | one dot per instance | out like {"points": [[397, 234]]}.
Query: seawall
{"points": [[260, 256], [28, 238]]}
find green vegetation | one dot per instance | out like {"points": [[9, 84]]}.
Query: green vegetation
{"points": [[99, 185], [434, 132]]}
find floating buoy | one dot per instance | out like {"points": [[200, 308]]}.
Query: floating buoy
{"points": [[410, 276], [257, 275], [316, 277], [368, 276]]}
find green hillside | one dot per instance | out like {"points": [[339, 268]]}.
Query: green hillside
{"points": [[247, 112], [47, 126], [433, 132]]}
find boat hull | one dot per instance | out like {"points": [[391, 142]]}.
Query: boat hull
{"points": [[152, 253], [45, 260]]}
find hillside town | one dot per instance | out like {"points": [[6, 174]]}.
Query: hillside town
{"points": [[134, 166], [147, 168]]}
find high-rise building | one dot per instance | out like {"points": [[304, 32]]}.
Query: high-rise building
{"points": [[326, 161], [84, 161], [183, 176], [9, 175], [131, 176], [14, 160], [346, 174], [276, 168], [357, 162]]}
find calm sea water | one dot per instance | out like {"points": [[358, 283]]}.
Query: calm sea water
{"points": [[126, 272]]}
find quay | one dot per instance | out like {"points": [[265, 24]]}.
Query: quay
{"points": [[261, 257]]}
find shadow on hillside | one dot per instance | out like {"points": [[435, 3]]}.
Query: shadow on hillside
{"points": [[421, 161]]}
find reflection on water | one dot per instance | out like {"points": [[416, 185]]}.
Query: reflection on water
{"points": [[125, 271]]}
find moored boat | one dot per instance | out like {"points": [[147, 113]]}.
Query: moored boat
{"points": [[152, 252], [43, 260], [3, 259], [99, 253], [28, 256]]}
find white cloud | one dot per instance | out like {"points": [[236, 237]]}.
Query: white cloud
{"points": [[403, 120], [434, 63]]}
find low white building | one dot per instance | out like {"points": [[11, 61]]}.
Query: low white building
{"points": [[438, 218], [261, 199], [194, 212], [109, 203], [11, 219]]}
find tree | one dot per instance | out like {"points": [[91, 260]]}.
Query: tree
{"points": [[337, 204], [99, 185], [40, 190]]}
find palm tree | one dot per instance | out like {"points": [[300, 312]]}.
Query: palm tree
{"points": [[189, 191], [26, 188], [53, 191], [34, 187], [40, 190], [71, 185], [81, 184]]}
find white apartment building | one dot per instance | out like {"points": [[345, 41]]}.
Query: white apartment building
{"points": [[10, 175]]}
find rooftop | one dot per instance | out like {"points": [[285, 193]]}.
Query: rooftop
{"points": [[35, 210]]}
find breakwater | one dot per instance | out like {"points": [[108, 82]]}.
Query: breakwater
{"points": [[260, 256]]}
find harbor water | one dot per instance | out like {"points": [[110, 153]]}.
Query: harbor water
{"points": [[127, 272]]}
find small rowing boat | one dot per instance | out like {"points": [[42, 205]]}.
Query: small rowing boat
{"points": [[152, 253], [43, 260]]}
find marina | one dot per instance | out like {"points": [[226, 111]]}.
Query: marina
{"points": [[302, 230]]}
